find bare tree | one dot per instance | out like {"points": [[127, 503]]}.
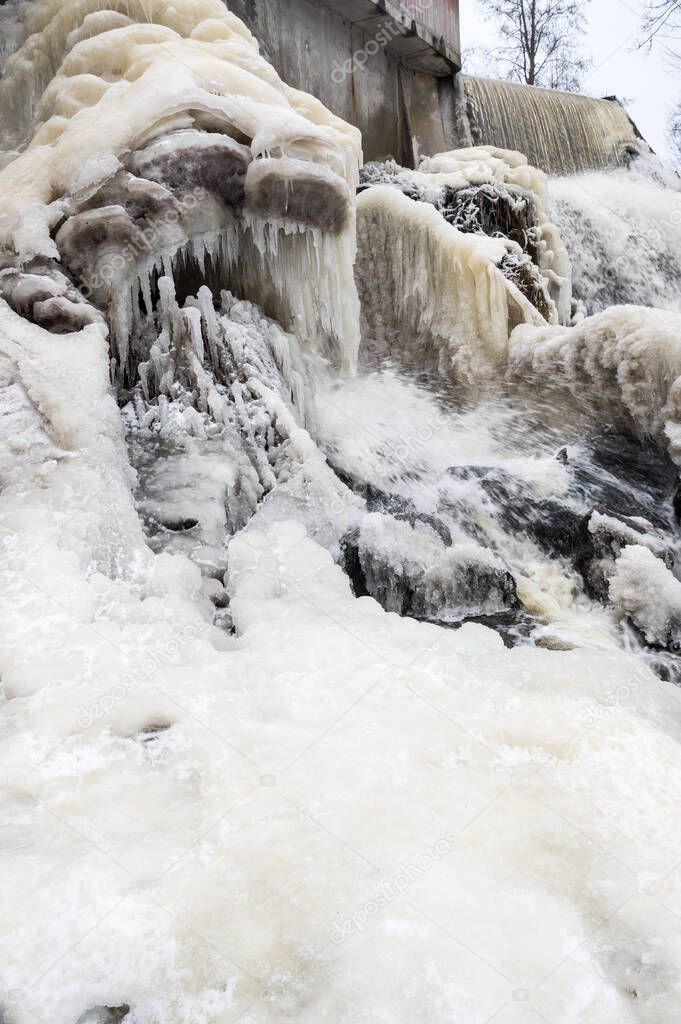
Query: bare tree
{"points": [[661, 19], [541, 41], [662, 23], [674, 134]]}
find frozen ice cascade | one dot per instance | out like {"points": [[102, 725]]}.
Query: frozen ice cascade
{"points": [[341, 562]]}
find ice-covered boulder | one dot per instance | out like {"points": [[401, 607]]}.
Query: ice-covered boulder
{"points": [[649, 595]]}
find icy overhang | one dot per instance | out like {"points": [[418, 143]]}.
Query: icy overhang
{"points": [[424, 34]]}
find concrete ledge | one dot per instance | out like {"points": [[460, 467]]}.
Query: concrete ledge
{"points": [[412, 42], [376, 72]]}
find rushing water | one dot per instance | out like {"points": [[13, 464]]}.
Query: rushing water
{"points": [[341, 598], [623, 232], [515, 471]]}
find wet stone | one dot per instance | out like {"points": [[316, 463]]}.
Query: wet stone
{"points": [[104, 1015]]}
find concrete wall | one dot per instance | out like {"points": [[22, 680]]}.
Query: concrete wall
{"points": [[376, 65], [400, 110]]}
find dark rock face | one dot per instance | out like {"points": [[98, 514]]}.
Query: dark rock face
{"points": [[621, 491], [552, 525], [395, 505], [626, 476], [629, 486], [474, 590], [104, 1015], [151, 731], [308, 197], [181, 525], [526, 277], [352, 564], [208, 160]]}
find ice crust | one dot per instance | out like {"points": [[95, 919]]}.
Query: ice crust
{"points": [[232, 790], [425, 285], [628, 358], [509, 183], [649, 594], [229, 863]]}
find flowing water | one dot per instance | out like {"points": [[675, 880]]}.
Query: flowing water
{"points": [[622, 229], [560, 132], [341, 626]]}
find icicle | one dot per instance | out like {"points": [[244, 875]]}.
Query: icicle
{"points": [[192, 317]]}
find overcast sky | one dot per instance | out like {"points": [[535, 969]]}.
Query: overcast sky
{"points": [[619, 69]]}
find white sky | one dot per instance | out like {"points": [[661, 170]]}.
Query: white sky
{"points": [[619, 69]]}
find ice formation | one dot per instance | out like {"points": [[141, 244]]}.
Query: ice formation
{"points": [[430, 292], [628, 358], [160, 140], [325, 696], [478, 192], [649, 594]]}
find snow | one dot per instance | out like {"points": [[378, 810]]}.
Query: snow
{"points": [[233, 790], [649, 593]]}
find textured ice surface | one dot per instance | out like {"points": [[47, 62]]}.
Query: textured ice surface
{"points": [[232, 789], [650, 594], [487, 191], [431, 294], [625, 362]]}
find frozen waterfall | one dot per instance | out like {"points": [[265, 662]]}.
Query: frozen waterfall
{"points": [[340, 644]]}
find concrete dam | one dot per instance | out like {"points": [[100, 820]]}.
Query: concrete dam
{"points": [[392, 68]]}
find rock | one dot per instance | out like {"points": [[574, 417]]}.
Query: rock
{"points": [[152, 731], [298, 190], [351, 563], [676, 501], [409, 571], [513, 626], [600, 542], [625, 476], [550, 524], [553, 643], [395, 505], [190, 159], [104, 1015]]}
